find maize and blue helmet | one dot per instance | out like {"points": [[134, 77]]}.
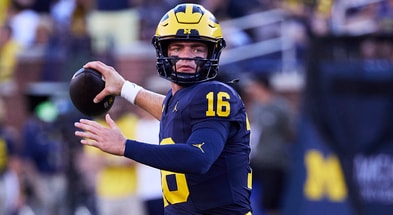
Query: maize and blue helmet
{"points": [[188, 22]]}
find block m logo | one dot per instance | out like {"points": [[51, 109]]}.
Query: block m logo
{"points": [[324, 177]]}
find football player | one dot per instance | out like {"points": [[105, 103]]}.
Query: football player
{"points": [[204, 132]]}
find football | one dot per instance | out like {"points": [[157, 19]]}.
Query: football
{"points": [[84, 86]]}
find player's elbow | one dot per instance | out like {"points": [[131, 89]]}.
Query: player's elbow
{"points": [[202, 167], [203, 170], [200, 162]]}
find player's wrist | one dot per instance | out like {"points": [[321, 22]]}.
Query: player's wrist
{"points": [[129, 91]]}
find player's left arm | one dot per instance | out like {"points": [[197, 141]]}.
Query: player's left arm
{"points": [[196, 156]]}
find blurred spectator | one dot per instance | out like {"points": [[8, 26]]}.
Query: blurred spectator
{"points": [[44, 31], [319, 25], [149, 178], [270, 118], [9, 50], [62, 12], [50, 46], [113, 24], [4, 7], [64, 46], [23, 21], [10, 167], [116, 177], [45, 154], [150, 12], [79, 45], [80, 195]]}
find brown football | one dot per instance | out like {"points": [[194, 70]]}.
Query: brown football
{"points": [[84, 86]]}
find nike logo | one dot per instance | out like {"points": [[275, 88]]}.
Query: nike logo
{"points": [[199, 146]]}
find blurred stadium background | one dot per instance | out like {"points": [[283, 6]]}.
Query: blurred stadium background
{"points": [[332, 60]]}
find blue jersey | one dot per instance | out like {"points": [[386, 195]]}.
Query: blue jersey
{"points": [[225, 184], [203, 153]]}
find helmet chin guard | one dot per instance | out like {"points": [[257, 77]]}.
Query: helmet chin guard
{"points": [[188, 22]]}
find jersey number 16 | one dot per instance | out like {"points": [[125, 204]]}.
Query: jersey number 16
{"points": [[218, 104]]}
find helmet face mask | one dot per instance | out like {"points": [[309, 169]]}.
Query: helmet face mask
{"points": [[188, 22]]}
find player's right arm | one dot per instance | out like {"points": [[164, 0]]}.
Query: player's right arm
{"points": [[116, 85], [150, 102]]}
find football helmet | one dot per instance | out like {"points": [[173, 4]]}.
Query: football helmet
{"points": [[188, 22]]}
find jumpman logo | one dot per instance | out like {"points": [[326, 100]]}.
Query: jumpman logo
{"points": [[199, 146], [175, 108]]}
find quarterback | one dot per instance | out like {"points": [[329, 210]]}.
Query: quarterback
{"points": [[204, 133]]}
